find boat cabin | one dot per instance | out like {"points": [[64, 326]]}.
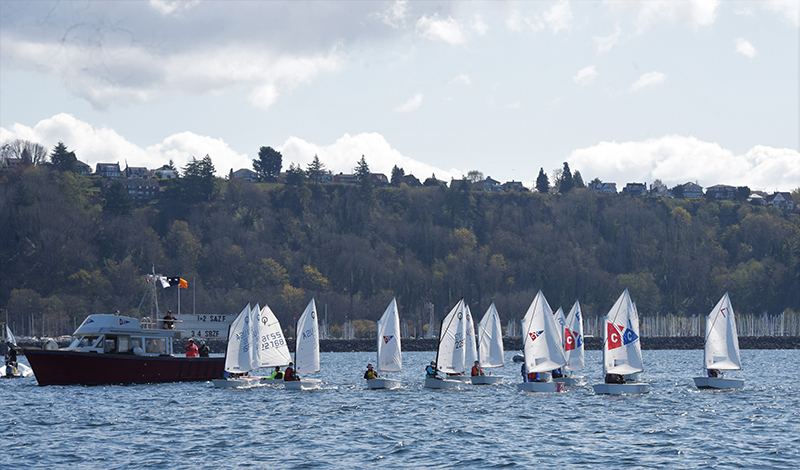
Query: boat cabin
{"points": [[113, 334]]}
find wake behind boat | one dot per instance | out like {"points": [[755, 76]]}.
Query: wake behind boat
{"points": [[721, 348], [111, 349]]}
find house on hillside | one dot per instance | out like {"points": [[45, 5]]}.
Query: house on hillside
{"points": [[513, 186], [409, 180], [603, 188], [108, 170], [165, 172], [782, 200], [136, 173], [345, 178], [245, 174], [691, 190], [489, 184], [83, 168], [377, 179], [721, 191], [660, 190], [142, 189], [635, 189]]}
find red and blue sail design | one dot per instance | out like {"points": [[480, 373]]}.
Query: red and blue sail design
{"points": [[619, 335]]}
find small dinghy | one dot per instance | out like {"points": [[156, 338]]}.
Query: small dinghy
{"points": [[13, 369], [390, 357], [451, 355], [490, 347], [541, 344], [721, 348], [622, 350], [306, 352], [573, 347]]}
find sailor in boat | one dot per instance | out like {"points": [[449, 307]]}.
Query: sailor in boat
{"points": [[430, 371], [289, 375], [276, 374], [615, 379], [169, 321], [11, 359], [370, 373], [476, 369], [191, 349], [203, 350], [557, 374], [714, 373]]}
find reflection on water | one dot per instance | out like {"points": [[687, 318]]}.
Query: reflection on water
{"points": [[190, 425]]}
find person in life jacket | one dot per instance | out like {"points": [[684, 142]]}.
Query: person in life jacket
{"points": [[370, 373], [534, 377], [476, 369], [557, 374], [276, 374], [289, 375], [615, 379], [430, 371], [714, 373], [191, 349]]}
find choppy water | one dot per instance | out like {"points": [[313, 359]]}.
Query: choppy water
{"points": [[192, 425]]}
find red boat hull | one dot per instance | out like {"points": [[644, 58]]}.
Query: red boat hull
{"points": [[81, 368]]}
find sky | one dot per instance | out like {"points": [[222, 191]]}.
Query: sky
{"points": [[624, 91]]}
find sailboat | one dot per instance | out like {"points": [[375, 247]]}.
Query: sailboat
{"points": [[622, 350], [721, 347], [255, 341], [17, 370], [573, 346], [541, 344], [306, 352], [490, 347], [389, 352], [451, 355]]}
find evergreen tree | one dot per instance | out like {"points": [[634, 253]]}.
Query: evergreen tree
{"points": [[197, 184], [566, 180], [268, 165], [578, 180], [295, 175], [364, 178], [397, 173], [63, 159], [316, 170], [117, 200], [542, 183]]}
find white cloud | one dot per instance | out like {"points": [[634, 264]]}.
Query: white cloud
{"points": [[168, 7], [696, 13], [463, 79], [559, 16], [605, 43], [677, 159], [789, 8], [448, 30], [478, 25], [103, 145], [585, 76], [647, 80], [396, 15], [410, 105], [745, 48], [343, 155]]}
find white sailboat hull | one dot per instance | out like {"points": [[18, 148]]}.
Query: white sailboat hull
{"points": [[382, 382], [719, 383], [620, 389], [442, 384], [573, 381], [487, 379], [240, 382], [305, 384], [22, 371], [541, 387], [466, 379]]}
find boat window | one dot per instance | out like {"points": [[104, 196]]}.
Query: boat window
{"points": [[87, 341], [136, 343], [156, 346], [123, 344], [110, 344]]}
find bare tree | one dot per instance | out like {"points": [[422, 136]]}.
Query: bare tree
{"points": [[32, 152]]}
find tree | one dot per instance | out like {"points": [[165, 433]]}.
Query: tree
{"points": [[118, 201], [432, 181], [474, 176], [268, 165], [29, 152], [742, 193], [578, 180], [295, 175], [566, 180], [542, 183], [63, 159], [364, 179], [397, 174], [316, 170], [197, 184], [593, 184]]}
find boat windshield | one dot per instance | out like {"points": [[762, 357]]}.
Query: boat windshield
{"points": [[84, 342]]}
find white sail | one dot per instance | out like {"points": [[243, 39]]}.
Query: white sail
{"points": [[273, 350], [722, 341], [540, 338], [307, 346], [622, 351], [490, 339], [10, 336], [471, 343], [561, 322], [573, 338], [240, 352], [389, 352], [451, 356]]}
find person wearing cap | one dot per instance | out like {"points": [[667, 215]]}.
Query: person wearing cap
{"points": [[203, 349], [169, 321], [191, 349], [276, 374], [476, 369], [370, 373], [430, 371], [288, 373]]}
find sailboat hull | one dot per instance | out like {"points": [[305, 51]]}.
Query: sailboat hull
{"points": [[241, 382], [487, 379], [305, 384], [719, 383], [541, 387], [382, 382], [574, 381], [442, 384], [621, 389]]}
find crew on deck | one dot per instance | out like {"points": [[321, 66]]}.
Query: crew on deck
{"points": [[289, 375], [370, 373], [276, 374], [169, 321], [430, 371], [191, 349], [203, 349], [476, 369]]}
